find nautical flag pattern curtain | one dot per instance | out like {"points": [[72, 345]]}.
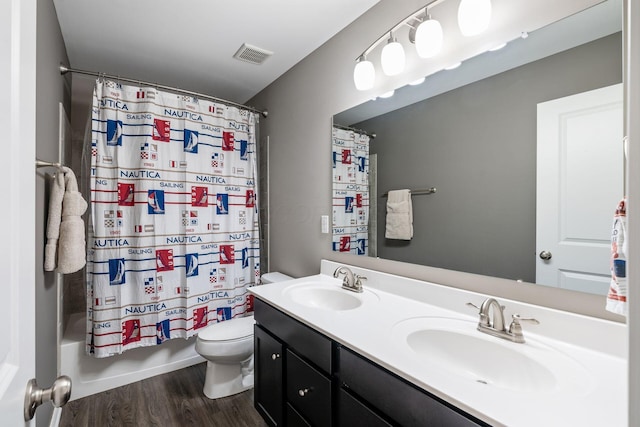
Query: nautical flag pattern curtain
{"points": [[350, 151], [173, 229]]}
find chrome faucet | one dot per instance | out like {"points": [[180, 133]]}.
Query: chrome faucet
{"points": [[494, 324], [351, 282]]}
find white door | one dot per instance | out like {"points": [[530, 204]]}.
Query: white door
{"points": [[579, 184], [17, 217]]}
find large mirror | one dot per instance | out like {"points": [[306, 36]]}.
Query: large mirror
{"points": [[478, 135]]}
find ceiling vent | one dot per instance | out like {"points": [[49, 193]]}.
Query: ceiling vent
{"points": [[252, 54]]}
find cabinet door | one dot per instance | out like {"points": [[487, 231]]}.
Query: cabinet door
{"points": [[269, 388]]}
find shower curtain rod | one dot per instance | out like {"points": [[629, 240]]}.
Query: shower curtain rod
{"points": [[370, 135], [64, 70]]}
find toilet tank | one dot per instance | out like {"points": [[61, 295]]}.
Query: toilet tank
{"points": [[274, 277]]}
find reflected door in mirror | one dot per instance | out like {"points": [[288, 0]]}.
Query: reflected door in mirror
{"points": [[579, 184]]}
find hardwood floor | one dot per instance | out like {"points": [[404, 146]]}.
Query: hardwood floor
{"points": [[172, 399]]}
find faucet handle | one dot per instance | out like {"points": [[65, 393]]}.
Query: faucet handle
{"points": [[484, 319], [517, 319], [358, 282], [515, 329], [470, 304]]}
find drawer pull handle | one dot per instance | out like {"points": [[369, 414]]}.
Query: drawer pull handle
{"points": [[275, 356], [304, 391]]}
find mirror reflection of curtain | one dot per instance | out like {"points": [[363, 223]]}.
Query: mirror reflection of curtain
{"points": [[350, 151]]}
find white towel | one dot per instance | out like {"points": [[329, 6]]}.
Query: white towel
{"points": [[399, 215], [617, 295], [53, 220], [65, 227]]}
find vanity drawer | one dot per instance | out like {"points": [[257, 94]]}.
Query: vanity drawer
{"points": [[308, 391], [353, 413], [401, 401], [304, 340], [294, 419]]}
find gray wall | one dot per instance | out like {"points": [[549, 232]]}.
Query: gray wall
{"points": [[301, 104], [51, 89], [477, 145]]}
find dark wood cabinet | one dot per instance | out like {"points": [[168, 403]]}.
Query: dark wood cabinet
{"points": [[353, 413], [299, 360], [397, 399], [304, 378], [294, 419], [308, 391], [268, 389]]}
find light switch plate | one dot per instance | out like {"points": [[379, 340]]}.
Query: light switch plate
{"points": [[325, 224]]}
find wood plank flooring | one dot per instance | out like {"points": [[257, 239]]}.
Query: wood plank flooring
{"points": [[172, 399]]}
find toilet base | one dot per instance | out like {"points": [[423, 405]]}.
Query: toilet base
{"points": [[222, 380]]}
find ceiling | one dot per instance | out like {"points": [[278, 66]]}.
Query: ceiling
{"points": [[190, 44]]}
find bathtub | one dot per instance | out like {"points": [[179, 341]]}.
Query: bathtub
{"points": [[90, 375]]}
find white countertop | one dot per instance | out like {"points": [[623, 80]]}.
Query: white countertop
{"points": [[593, 348]]}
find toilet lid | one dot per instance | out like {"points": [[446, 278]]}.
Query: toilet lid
{"points": [[238, 327]]}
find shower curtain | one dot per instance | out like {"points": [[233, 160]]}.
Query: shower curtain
{"points": [[173, 230], [350, 152]]}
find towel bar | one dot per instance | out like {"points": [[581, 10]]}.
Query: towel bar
{"points": [[417, 192], [43, 164]]}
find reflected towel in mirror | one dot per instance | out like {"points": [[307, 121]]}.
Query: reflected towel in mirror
{"points": [[399, 224]]}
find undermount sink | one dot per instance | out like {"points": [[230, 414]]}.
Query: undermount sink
{"points": [[457, 347], [326, 297]]}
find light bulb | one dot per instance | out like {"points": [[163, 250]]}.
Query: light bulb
{"points": [[387, 94], [364, 75], [497, 47], [392, 58], [417, 82], [474, 16], [429, 38]]}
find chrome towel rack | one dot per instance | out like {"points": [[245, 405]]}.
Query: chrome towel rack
{"points": [[418, 192], [43, 164]]}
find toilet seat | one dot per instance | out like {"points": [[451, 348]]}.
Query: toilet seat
{"points": [[234, 329]]}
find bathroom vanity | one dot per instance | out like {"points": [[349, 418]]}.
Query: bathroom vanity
{"points": [[305, 378], [407, 352]]}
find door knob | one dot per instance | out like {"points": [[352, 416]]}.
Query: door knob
{"points": [[59, 394], [545, 255]]}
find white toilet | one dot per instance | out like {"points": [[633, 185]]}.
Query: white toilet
{"points": [[228, 348]]}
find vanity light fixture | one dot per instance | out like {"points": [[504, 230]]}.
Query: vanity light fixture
{"points": [[429, 38], [392, 58], [474, 16], [364, 75], [498, 47]]}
